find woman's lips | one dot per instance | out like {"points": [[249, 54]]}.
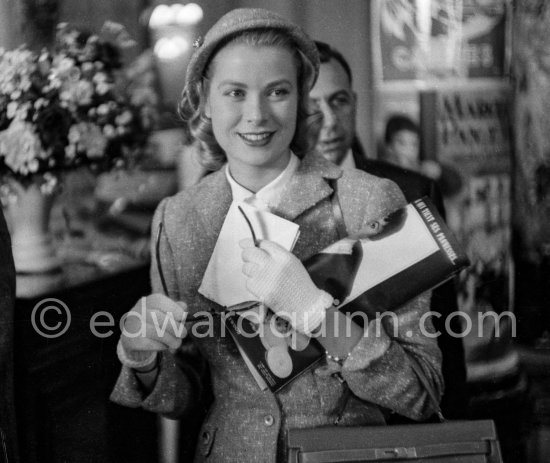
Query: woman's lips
{"points": [[256, 138]]}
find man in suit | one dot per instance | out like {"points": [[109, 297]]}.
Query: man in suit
{"points": [[338, 142], [7, 297]]}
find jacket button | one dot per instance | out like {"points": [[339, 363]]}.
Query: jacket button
{"points": [[269, 420]]}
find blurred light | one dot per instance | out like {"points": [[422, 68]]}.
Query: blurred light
{"points": [[190, 14], [168, 48], [177, 13], [161, 16]]}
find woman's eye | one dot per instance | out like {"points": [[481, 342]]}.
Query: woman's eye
{"points": [[279, 92], [235, 93]]}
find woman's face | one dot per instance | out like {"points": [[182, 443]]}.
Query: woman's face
{"points": [[253, 103], [405, 148]]}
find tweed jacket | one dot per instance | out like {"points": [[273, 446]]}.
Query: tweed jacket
{"points": [[444, 298], [244, 423]]}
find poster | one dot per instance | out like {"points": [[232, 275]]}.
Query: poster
{"points": [[436, 39], [473, 126]]}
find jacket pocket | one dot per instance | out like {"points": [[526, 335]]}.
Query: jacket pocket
{"points": [[206, 441]]}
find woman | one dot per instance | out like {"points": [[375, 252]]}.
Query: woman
{"points": [[245, 101]]}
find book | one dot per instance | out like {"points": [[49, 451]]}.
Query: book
{"points": [[273, 351], [411, 251], [386, 264]]}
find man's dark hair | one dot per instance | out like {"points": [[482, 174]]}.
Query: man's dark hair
{"points": [[326, 53], [398, 123]]}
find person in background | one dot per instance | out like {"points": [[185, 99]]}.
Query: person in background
{"points": [[7, 297], [338, 142], [402, 142], [402, 148], [246, 101]]}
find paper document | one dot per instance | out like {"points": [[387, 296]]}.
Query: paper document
{"points": [[224, 282]]}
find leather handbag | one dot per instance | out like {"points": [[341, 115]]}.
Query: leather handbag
{"points": [[448, 441]]}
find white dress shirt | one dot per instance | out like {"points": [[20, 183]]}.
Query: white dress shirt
{"points": [[268, 196]]}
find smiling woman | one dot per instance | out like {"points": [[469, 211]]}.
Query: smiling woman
{"points": [[280, 83], [245, 104], [252, 101]]}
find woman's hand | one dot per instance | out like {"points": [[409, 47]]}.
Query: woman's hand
{"points": [[278, 279], [154, 324]]}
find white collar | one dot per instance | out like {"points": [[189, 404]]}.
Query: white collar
{"points": [[348, 162], [268, 196]]}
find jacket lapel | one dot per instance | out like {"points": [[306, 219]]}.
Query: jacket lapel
{"points": [[211, 201], [305, 189], [307, 186]]}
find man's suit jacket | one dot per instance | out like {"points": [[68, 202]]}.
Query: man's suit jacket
{"points": [[444, 298], [7, 298]]}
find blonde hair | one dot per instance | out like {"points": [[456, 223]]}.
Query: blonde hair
{"points": [[198, 126]]}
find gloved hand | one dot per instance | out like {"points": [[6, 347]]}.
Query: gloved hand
{"points": [[154, 324], [279, 280]]}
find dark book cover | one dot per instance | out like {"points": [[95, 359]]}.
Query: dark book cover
{"points": [[274, 352]]}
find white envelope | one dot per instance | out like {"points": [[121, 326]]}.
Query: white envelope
{"points": [[223, 281]]}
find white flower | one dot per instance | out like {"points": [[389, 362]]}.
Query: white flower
{"points": [[109, 131], [12, 109], [89, 140], [70, 151], [125, 118], [40, 102], [20, 146], [33, 165], [79, 92], [99, 77], [74, 134], [87, 67], [49, 184], [103, 87], [103, 109]]}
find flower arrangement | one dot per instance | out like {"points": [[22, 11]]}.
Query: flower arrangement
{"points": [[75, 105]]}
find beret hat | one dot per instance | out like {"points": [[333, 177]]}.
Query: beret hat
{"points": [[241, 20]]}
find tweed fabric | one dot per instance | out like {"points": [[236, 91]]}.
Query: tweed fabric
{"points": [[241, 20], [244, 423], [444, 297]]}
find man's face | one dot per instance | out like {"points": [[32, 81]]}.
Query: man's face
{"points": [[333, 95]]}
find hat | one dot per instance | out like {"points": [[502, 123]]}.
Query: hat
{"points": [[241, 20]]}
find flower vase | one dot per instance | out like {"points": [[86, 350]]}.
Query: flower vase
{"points": [[28, 213]]}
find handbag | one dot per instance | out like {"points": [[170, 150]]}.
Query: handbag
{"points": [[447, 441]]}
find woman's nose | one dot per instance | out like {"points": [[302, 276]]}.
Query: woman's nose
{"points": [[255, 109]]}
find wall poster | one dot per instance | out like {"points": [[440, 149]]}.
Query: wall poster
{"points": [[443, 64], [437, 39]]}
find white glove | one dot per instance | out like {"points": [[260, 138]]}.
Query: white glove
{"points": [[154, 324], [279, 280]]}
